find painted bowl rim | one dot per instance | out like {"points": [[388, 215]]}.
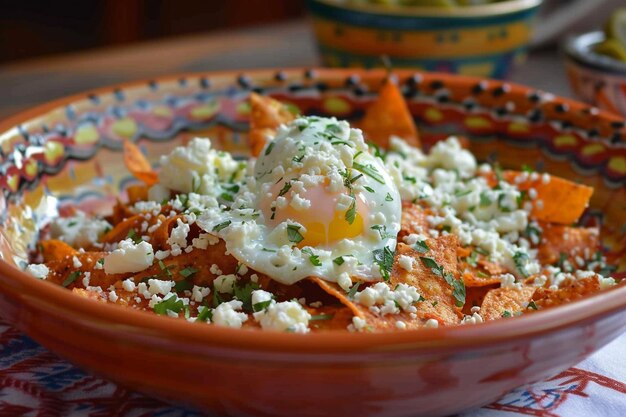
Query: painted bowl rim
{"points": [[487, 10], [579, 50], [138, 325]]}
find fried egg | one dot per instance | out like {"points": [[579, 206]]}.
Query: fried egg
{"points": [[316, 202]]}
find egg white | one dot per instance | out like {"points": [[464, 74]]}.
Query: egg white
{"points": [[313, 169]]}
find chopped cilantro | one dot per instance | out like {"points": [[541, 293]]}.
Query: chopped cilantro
{"points": [[333, 128], [384, 259], [171, 303], [261, 306], [313, 258], [221, 226], [321, 317], [533, 305], [484, 199], [501, 204], [521, 197], [188, 271], [217, 300], [134, 236], [431, 264], [244, 294], [498, 171], [353, 290], [370, 171], [369, 189], [458, 287], [285, 189], [382, 230], [338, 260], [269, 148], [165, 269], [506, 313], [472, 259], [227, 197], [204, 314], [462, 193], [421, 246], [101, 261], [293, 233], [388, 197], [183, 285], [351, 213], [71, 278], [520, 259]]}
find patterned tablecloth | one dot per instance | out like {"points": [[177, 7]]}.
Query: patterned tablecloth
{"points": [[34, 382]]}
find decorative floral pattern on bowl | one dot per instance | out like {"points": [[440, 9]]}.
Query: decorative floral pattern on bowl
{"points": [[71, 149]]}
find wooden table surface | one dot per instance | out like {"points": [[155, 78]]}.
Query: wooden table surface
{"points": [[28, 83]]}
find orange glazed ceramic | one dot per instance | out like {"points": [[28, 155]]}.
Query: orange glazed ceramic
{"points": [[71, 149]]}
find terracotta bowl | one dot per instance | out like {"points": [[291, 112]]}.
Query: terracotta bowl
{"points": [[596, 79], [70, 149], [486, 40]]}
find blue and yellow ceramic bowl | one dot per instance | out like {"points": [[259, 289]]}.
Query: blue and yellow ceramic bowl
{"points": [[479, 40]]}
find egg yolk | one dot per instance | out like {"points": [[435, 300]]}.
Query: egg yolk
{"points": [[323, 222]]}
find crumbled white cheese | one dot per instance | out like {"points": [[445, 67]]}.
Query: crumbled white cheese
{"points": [[283, 316], [431, 324], [128, 285], [390, 301], [78, 230], [400, 325], [129, 257], [406, 262], [157, 286], [225, 283], [261, 296], [344, 281], [40, 271], [358, 324], [199, 293], [178, 235], [227, 314]]}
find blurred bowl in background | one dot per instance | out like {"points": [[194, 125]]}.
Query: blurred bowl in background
{"points": [[597, 79], [484, 40]]}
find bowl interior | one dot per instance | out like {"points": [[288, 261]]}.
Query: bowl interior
{"points": [[69, 151]]}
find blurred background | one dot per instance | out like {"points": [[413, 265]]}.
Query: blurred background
{"points": [[34, 28], [52, 49]]}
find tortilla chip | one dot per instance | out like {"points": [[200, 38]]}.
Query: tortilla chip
{"points": [[56, 250], [373, 321], [124, 229], [136, 193], [389, 116], [499, 301], [413, 220], [439, 302], [562, 201], [138, 165], [266, 114], [570, 289], [474, 296], [477, 279], [571, 241]]}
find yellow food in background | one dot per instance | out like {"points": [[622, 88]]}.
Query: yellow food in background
{"points": [[438, 3], [614, 46]]}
